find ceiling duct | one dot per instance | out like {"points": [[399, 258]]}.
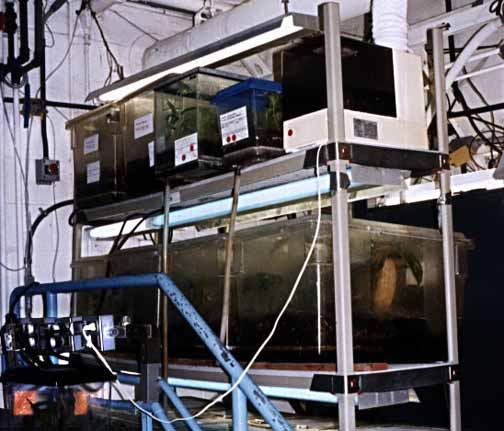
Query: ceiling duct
{"points": [[237, 33], [239, 19]]}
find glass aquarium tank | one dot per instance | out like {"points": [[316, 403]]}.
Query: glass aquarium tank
{"points": [[187, 141], [250, 120], [98, 150], [397, 291], [138, 125]]}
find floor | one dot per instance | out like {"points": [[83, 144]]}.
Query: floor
{"points": [[217, 419]]}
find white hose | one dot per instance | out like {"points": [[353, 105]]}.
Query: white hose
{"points": [[470, 49], [390, 23]]}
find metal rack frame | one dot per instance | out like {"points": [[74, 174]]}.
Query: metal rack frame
{"points": [[345, 383]]}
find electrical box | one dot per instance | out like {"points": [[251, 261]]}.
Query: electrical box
{"points": [[47, 171], [250, 120], [383, 95], [188, 144]]}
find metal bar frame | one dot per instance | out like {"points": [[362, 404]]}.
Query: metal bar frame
{"points": [[158, 412], [166, 270], [329, 16], [446, 221], [226, 360], [330, 19], [240, 412], [179, 405]]}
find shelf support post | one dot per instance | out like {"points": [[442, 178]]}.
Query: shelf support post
{"points": [[166, 269], [330, 22], [446, 221]]}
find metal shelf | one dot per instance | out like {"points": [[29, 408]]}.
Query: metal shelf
{"points": [[372, 388], [397, 378], [377, 166], [283, 170]]}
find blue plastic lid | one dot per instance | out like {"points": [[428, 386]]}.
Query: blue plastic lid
{"points": [[249, 84]]}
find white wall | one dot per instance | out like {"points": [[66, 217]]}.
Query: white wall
{"points": [[68, 84]]}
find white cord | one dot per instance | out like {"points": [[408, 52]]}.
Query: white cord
{"points": [[90, 344], [284, 309], [265, 342]]}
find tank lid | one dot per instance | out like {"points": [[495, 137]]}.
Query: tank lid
{"points": [[249, 84]]}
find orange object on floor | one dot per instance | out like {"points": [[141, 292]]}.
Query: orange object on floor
{"points": [[23, 401], [81, 406]]}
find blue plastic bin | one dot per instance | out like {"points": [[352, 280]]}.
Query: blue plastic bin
{"points": [[250, 120]]}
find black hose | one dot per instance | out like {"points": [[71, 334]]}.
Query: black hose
{"points": [[43, 98], [118, 243], [24, 49], [497, 7], [43, 214], [29, 244]]}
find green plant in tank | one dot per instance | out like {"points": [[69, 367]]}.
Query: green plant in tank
{"points": [[177, 120], [274, 110]]}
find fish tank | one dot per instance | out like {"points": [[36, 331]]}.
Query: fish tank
{"points": [[98, 153], [397, 291], [250, 120], [139, 152], [187, 140]]}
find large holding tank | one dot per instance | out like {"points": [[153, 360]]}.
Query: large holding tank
{"points": [[397, 291]]}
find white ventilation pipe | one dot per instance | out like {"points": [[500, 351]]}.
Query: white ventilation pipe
{"points": [[470, 49], [390, 23], [244, 17]]}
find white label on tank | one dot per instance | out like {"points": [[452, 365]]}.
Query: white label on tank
{"points": [[144, 125], [93, 172], [150, 147], [186, 149], [175, 197], [234, 126], [91, 144]]}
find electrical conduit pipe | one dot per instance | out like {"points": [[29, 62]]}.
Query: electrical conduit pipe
{"points": [[470, 49]]}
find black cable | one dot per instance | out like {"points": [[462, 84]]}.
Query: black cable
{"points": [[43, 214], [72, 218], [51, 33], [119, 68], [491, 125], [459, 96], [137, 27], [497, 7], [132, 232], [488, 123], [461, 99], [118, 244]]}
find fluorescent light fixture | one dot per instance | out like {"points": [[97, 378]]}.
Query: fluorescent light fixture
{"points": [[277, 195], [217, 53], [112, 230], [297, 190]]}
